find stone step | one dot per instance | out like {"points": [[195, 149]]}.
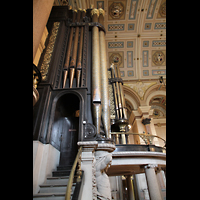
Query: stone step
{"points": [[57, 180], [49, 188], [49, 196], [61, 173], [64, 167]]}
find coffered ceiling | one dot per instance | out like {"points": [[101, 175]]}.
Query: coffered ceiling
{"points": [[135, 36]]}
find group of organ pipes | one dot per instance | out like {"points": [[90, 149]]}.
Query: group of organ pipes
{"points": [[73, 71]]}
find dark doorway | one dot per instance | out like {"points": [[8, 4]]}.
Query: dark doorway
{"points": [[65, 128]]}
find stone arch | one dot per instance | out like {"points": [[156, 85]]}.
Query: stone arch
{"points": [[132, 97], [154, 90], [56, 99], [153, 94]]}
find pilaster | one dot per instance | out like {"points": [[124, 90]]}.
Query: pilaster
{"points": [[88, 166]]}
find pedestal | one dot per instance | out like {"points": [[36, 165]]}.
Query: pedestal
{"points": [[88, 166]]}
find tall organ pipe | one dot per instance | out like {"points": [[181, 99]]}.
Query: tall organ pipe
{"points": [[80, 50], [122, 95], [74, 53], [104, 78], [66, 66], [96, 76]]}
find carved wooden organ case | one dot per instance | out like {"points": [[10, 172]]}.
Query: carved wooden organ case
{"points": [[71, 88]]}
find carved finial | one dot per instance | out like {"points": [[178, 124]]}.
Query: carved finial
{"points": [[95, 11], [101, 11]]}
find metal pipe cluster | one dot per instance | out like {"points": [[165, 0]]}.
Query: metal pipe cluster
{"points": [[100, 98], [75, 64]]}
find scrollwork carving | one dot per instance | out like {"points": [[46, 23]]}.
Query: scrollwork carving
{"points": [[49, 50], [90, 131]]}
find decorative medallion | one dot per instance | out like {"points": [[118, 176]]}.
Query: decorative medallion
{"points": [[162, 10], [116, 9], [49, 50], [158, 58]]}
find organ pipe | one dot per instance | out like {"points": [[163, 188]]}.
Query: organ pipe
{"points": [[104, 78], [96, 76], [74, 53], [66, 66]]}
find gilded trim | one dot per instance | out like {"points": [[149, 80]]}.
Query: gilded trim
{"points": [[95, 11], [101, 11], [49, 50]]}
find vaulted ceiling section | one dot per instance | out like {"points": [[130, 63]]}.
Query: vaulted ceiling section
{"points": [[135, 35]]}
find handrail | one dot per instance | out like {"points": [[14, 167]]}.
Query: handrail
{"points": [[71, 176], [142, 135]]}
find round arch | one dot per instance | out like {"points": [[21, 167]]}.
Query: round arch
{"points": [[155, 93], [132, 97], [53, 110]]}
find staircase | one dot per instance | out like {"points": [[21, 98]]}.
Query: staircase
{"points": [[55, 187]]}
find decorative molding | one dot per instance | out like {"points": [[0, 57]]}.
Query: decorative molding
{"points": [[49, 50], [140, 88], [133, 9], [158, 43], [129, 58], [160, 25], [115, 44], [106, 147], [138, 153], [151, 9], [116, 27], [145, 60], [87, 143]]}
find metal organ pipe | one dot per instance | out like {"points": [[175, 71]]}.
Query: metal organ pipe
{"points": [[96, 76], [104, 78], [74, 53], [66, 66]]}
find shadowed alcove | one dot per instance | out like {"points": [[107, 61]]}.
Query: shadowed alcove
{"points": [[65, 127]]}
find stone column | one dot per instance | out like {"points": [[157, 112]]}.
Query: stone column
{"points": [[130, 188], [153, 187], [88, 166], [41, 12], [161, 182]]}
